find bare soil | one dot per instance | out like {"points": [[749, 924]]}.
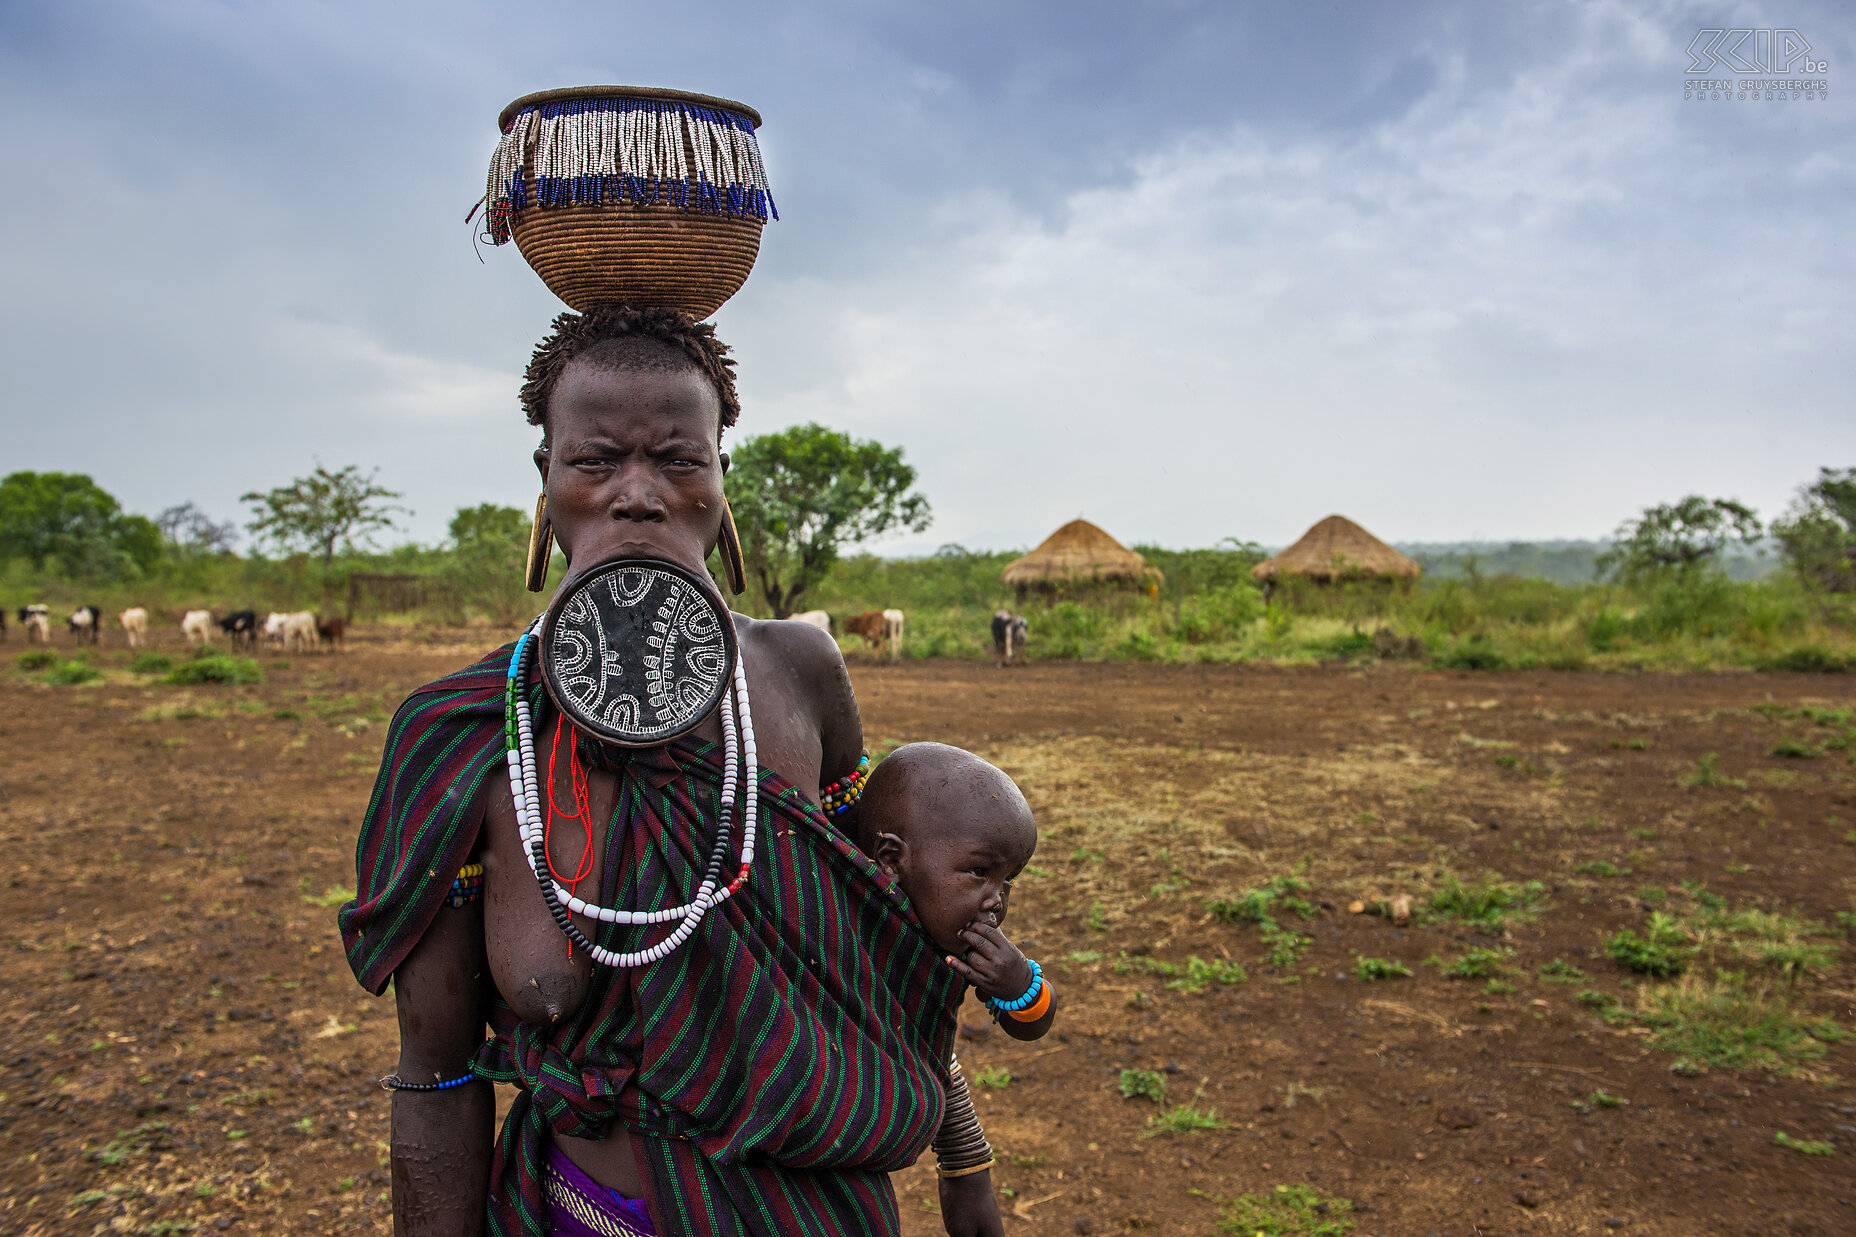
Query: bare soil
{"points": [[185, 1050]]}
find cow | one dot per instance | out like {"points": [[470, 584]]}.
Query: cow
{"points": [[299, 630], [879, 628], [333, 629], [196, 627], [814, 618], [241, 627], [134, 625], [85, 623], [1009, 632], [37, 620], [274, 629]]}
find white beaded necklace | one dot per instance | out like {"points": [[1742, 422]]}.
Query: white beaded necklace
{"points": [[740, 765]]}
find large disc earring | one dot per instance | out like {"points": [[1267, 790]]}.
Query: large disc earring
{"points": [[540, 546], [733, 566]]}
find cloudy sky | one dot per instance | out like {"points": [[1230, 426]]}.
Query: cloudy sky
{"points": [[1457, 270]]}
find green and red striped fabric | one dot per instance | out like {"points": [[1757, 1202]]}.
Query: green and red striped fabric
{"points": [[772, 1072]]}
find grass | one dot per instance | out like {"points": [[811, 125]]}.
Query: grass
{"points": [[992, 1077], [1661, 953], [1604, 1005], [71, 673], [1478, 964], [1707, 773], [1142, 1084], [1370, 970], [1600, 1098], [334, 895], [215, 668], [1287, 1211], [1258, 905], [1198, 975], [131, 1144], [1806, 1146], [151, 663], [37, 659], [1730, 1025], [1559, 971], [1490, 904], [1796, 749], [1184, 1119], [1601, 867]]}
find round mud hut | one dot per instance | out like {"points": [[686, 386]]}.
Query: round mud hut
{"points": [[1079, 553], [1337, 549]]}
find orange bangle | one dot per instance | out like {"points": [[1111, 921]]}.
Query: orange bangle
{"points": [[1037, 1008]]}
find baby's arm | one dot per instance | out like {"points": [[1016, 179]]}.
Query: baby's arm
{"points": [[969, 1208], [999, 971]]}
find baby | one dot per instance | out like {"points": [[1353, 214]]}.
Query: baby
{"points": [[955, 833]]}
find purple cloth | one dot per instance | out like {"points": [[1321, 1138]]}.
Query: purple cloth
{"points": [[579, 1206]]}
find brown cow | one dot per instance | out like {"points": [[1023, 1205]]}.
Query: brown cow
{"points": [[878, 628], [332, 629]]}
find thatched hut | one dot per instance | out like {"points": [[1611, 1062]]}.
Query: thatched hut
{"points": [[1337, 549], [1080, 553]]}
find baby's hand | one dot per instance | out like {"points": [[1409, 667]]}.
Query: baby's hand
{"points": [[993, 964]]}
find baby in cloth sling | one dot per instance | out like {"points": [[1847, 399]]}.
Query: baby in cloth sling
{"points": [[954, 832]]}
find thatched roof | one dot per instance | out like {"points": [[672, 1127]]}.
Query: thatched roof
{"points": [[1077, 553], [1335, 548]]}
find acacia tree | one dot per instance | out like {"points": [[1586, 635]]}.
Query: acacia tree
{"points": [[1818, 533], [802, 494], [323, 510], [186, 527], [489, 549], [1684, 536]]}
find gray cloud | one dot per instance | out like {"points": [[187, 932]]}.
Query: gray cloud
{"points": [[1191, 270]]}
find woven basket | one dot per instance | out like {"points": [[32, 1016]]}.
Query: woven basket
{"points": [[631, 253]]}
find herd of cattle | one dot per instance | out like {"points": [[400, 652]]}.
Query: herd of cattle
{"points": [[302, 630], [882, 630]]}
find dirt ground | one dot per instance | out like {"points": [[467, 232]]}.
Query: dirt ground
{"points": [[185, 1050]]}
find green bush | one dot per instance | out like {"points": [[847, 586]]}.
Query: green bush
{"points": [[216, 668], [68, 673], [37, 659], [1474, 652], [1368, 970], [1808, 659], [152, 663]]}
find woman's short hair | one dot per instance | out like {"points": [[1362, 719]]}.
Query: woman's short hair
{"points": [[621, 337]]}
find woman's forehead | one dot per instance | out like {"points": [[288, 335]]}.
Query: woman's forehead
{"points": [[596, 398]]}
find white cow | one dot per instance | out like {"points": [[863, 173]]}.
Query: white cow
{"points": [[196, 626], [37, 620], [134, 625], [815, 618], [274, 628], [892, 631], [299, 631]]}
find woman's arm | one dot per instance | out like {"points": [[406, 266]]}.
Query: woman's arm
{"points": [[442, 1140]]}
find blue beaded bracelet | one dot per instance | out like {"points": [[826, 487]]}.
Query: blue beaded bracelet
{"points": [[1023, 1002], [393, 1082]]}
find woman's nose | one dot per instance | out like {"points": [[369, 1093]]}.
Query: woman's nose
{"points": [[636, 501]]}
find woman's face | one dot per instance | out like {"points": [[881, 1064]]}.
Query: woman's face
{"points": [[634, 468]]}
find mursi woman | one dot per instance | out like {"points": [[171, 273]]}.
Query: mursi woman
{"points": [[766, 1075]]}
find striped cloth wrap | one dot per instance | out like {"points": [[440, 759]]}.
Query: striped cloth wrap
{"points": [[772, 1072]]}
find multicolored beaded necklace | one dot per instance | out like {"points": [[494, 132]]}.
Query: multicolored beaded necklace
{"points": [[740, 761], [842, 795]]}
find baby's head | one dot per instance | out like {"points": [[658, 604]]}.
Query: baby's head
{"points": [[953, 830]]}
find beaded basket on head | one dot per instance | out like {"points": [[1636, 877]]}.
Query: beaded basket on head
{"points": [[627, 195]]}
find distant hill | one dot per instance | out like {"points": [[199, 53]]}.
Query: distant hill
{"points": [[1563, 562]]}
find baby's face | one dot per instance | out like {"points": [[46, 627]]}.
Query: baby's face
{"points": [[962, 877]]}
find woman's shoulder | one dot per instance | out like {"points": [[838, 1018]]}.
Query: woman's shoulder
{"points": [[490, 670]]}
